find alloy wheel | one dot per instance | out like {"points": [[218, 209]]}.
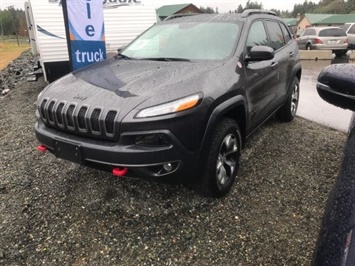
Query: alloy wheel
{"points": [[227, 159], [294, 99]]}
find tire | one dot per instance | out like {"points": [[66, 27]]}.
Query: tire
{"points": [[288, 111], [340, 53], [308, 47], [222, 161]]}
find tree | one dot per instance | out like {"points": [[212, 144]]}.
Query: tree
{"points": [[240, 9], [208, 10], [277, 12], [306, 7], [12, 21], [6, 22], [253, 5]]}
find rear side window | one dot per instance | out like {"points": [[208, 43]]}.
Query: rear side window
{"points": [[309, 32], [257, 36], [332, 33], [277, 39], [285, 33], [352, 29]]}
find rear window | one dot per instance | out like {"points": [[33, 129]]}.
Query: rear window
{"points": [[332, 33]]}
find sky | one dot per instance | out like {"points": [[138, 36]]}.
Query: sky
{"points": [[223, 5]]}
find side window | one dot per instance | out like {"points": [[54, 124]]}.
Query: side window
{"points": [[257, 35], [352, 29], [310, 32], [277, 39], [285, 33]]}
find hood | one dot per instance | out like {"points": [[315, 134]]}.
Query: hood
{"points": [[125, 84]]}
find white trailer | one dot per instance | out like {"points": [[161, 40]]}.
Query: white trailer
{"points": [[124, 20]]}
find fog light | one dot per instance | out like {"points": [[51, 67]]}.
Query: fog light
{"points": [[168, 167]]}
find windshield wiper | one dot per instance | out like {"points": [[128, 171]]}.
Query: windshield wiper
{"points": [[167, 59], [125, 57]]}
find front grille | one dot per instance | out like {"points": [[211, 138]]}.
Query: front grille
{"points": [[80, 120], [109, 121], [42, 111], [50, 112], [69, 115], [59, 114], [95, 125]]}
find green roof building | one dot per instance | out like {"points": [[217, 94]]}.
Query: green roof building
{"points": [[168, 10], [290, 21], [338, 19], [309, 20]]}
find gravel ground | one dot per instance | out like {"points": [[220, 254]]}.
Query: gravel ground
{"points": [[57, 213]]}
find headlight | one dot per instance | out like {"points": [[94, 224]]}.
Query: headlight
{"points": [[170, 107]]}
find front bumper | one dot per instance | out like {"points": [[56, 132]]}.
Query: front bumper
{"points": [[141, 161]]}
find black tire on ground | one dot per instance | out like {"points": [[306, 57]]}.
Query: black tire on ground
{"points": [[222, 160], [308, 46], [340, 53], [288, 111]]}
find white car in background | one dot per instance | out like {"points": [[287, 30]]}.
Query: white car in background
{"points": [[350, 31], [324, 38]]}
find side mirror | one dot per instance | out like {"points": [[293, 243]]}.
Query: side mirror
{"points": [[336, 85], [260, 53]]}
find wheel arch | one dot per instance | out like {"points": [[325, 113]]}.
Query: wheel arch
{"points": [[234, 108], [296, 72]]}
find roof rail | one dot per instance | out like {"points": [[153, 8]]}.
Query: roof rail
{"points": [[181, 15], [250, 12]]}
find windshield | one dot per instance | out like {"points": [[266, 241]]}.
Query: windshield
{"points": [[187, 40], [345, 27]]}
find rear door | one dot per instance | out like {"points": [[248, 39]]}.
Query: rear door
{"points": [[285, 49]]}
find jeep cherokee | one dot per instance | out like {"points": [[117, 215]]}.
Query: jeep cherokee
{"points": [[178, 103]]}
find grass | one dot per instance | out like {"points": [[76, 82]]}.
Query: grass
{"points": [[10, 51]]}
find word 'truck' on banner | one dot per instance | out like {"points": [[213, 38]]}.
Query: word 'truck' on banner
{"points": [[84, 25]]}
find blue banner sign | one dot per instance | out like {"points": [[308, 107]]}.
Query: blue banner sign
{"points": [[84, 20]]}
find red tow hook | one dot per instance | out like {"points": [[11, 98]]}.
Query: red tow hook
{"points": [[119, 171], [42, 148]]}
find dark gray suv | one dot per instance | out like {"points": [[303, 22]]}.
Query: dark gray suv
{"points": [[178, 103]]}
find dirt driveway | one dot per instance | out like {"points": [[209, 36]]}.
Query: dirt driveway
{"points": [[57, 213]]}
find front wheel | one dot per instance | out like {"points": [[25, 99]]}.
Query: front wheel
{"points": [[222, 161], [288, 111]]}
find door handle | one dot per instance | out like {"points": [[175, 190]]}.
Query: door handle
{"points": [[292, 54], [274, 65]]}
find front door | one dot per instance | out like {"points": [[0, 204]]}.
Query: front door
{"points": [[261, 78]]}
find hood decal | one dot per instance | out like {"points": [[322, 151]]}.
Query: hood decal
{"points": [[106, 79]]}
